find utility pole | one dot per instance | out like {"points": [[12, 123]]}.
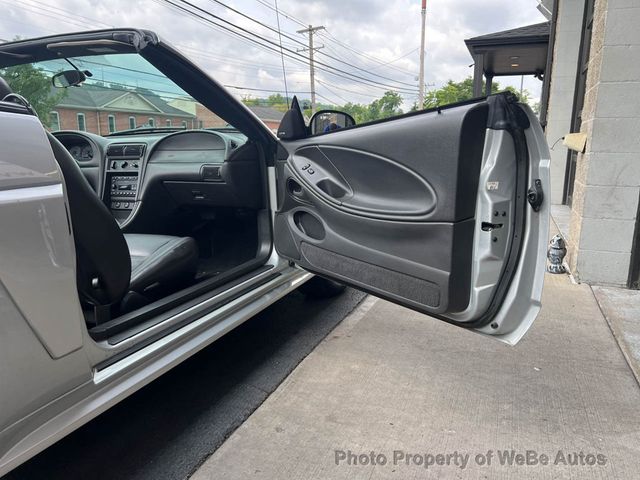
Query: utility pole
{"points": [[423, 13], [311, 30]]}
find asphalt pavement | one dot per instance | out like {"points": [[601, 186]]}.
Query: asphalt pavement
{"points": [[167, 429]]}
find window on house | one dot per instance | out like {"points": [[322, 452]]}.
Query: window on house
{"points": [[112, 123], [82, 126], [132, 122], [168, 122], [152, 122], [54, 121], [184, 124], [200, 124]]}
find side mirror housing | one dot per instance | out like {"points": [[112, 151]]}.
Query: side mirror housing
{"points": [[68, 78], [326, 121]]}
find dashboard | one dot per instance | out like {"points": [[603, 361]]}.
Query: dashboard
{"points": [[152, 173]]}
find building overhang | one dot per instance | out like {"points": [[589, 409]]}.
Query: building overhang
{"points": [[519, 51]]}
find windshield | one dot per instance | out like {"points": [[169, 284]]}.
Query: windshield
{"points": [[123, 94]]}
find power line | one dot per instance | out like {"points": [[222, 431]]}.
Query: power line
{"points": [[334, 93], [284, 72], [291, 54], [370, 57], [44, 13], [286, 15], [344, 89], [262, 89], [351, 77], [71, 20], [280, 34]]}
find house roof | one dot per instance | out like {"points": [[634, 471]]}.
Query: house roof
{"points": [[536, 33], [266, 113], [95, 97]]}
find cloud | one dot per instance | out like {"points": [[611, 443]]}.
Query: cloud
{"points": [[360, 35]]}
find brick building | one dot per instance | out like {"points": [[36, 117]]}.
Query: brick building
{"points": [[269, 116], [105, 110]]}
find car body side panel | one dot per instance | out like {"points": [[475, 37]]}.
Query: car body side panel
{"points": [[37, 259], [33, 434], [41, 342]]}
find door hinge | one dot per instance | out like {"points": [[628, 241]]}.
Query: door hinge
{"points": [[535, 195]]}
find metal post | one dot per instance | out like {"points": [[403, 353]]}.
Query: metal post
{"points": [[478, 71], [423, 13], [311, 30], [489, 85]]}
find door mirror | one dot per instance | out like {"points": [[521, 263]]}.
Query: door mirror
{"points": [[68, 78], [326, 121]]}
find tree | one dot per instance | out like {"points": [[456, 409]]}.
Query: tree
{"points": [[452, 92], [275, 100], [386, 106], [34, 85]]}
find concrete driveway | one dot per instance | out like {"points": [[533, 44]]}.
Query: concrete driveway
{"points": [[407, 388]]}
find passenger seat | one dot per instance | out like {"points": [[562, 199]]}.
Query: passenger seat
{"points": [[109, 263]]}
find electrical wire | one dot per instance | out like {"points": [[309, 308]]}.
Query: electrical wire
{"points": [[291, 53], [284, 72]]}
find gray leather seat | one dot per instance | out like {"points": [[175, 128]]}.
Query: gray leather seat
{"points": [[110, 264], [159, 259]]}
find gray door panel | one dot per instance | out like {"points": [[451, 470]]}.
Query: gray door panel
{"points": [[428, 210], [388, 207]]}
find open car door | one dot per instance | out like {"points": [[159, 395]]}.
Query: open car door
{"points": [[442, 211]]}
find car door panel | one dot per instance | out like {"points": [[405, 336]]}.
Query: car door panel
{"points": [[427, 210], [335, 174], [420, 183]]}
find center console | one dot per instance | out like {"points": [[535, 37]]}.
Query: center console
{"points": [[124, 163]]}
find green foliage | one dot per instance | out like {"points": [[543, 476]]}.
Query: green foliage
{"points": [[34, 85], [452, 92], [275, 100], [386, 106]]}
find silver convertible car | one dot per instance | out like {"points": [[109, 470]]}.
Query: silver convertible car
{"points": [[145, 212]]}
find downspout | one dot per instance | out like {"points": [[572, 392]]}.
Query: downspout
{"points": [[546, 83]]}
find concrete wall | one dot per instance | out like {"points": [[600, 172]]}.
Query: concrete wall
{"points": [[562, 87], [607, 183]]}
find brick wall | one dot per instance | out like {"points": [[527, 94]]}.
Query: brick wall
{"points": [[208, 118], [97, 122]]}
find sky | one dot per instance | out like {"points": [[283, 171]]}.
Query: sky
{"points": [[376, 40]]}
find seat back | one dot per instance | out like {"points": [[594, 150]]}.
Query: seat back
{"points": [[103, 261]]}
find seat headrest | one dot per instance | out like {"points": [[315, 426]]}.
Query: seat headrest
{"points": [[5, 89]]}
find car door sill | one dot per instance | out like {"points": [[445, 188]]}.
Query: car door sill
{"points": [[201, 317], [183, 299]]}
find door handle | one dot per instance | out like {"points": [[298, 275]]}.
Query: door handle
{"points": [[332, 188]]}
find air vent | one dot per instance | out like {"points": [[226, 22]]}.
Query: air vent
{"points": [[116, 151], [133, 150], [125, 151]]}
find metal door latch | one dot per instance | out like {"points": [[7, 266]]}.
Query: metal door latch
{"points": [[535, 195]]}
